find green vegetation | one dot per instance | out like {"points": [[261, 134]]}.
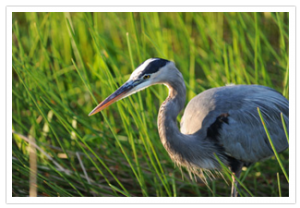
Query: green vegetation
{"points": [[65, 63]]}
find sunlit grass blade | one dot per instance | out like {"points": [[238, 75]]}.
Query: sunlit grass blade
{"points": [[278, 183], [118, 190], [284, 127], [286, 83], [129, 50]]}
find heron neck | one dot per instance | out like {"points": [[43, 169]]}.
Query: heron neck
{"points": [[171, 138]]}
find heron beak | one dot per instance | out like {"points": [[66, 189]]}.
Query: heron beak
{"points": [[120, 93]]}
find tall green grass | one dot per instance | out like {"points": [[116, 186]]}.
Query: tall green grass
{"points": [[65, 63]]}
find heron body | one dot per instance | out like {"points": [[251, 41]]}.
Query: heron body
{"points": [[222, 121]]}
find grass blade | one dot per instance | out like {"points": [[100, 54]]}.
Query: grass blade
{"points": [[118, 190], [284, 127], [278, 183]]}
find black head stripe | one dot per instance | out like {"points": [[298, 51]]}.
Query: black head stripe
{"points": [[154, 66]]}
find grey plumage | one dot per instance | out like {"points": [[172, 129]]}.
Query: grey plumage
{"points": [[221, 120], [243, 137]]}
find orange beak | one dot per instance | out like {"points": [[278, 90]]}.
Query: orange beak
{"points": [[120, 93]]}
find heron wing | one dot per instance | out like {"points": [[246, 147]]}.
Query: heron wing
{"points": [[228, 116]]}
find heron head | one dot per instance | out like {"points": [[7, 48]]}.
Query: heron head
{"points": [[150, 72]]}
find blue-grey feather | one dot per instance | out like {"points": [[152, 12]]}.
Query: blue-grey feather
{"points": [[244, 138]]}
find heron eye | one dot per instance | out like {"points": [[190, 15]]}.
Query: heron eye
{"points": [[146, 77]]}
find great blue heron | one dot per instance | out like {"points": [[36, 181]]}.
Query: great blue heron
{"points": [[221, 120]]}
